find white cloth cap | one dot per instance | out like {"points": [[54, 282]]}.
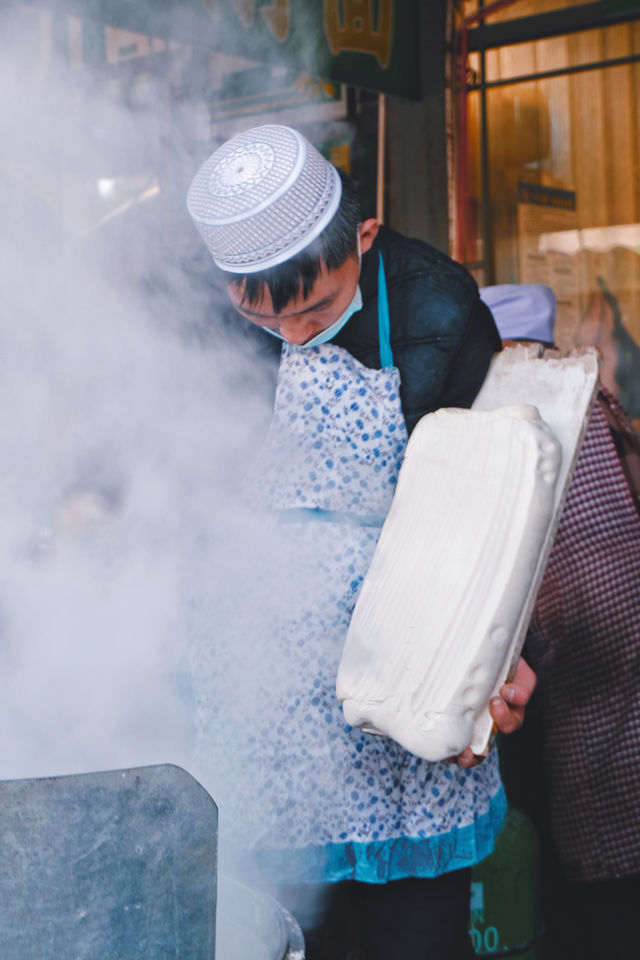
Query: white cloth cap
{"points": [[522, 311], [262, 197]]}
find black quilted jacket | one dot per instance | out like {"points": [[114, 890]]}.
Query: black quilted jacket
{"points": [[442, 334]]}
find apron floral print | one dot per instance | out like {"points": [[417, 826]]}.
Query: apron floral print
{"points": [[312, 798]]}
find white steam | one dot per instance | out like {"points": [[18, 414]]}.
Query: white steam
{"points": [[125, 422]]}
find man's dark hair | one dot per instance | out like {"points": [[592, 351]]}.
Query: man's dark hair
{"points": [[337, 241]]}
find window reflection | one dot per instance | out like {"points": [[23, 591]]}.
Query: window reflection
{"points": [[564, 188]]}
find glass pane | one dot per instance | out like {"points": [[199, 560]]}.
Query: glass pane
{"points": [[558, 53], [564, 198]]}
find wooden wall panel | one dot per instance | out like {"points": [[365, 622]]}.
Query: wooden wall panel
{"points": [[579, 132]]}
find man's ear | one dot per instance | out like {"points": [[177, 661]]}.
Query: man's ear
{"points": [[368, 231]]}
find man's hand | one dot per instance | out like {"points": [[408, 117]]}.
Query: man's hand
{"points": [[507, 709]]}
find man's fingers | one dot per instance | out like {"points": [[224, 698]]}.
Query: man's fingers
{"points": [[515, 695], [466, 758], [507, 719], [507, 710], [517, 692]]}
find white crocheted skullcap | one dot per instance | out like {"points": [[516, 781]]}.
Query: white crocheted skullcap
{"points": [[522, 311], [262, 197]]}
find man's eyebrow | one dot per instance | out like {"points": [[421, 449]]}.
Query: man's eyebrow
{"points": [[318, 305]]}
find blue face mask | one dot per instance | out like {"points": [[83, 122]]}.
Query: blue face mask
{"points": [[324, 335]]}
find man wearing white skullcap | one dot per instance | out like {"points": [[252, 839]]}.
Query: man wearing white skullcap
{"points": [[583, 643], [378, 330], [284, 226]]}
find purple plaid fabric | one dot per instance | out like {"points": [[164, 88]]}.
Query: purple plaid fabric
{"points": [[584, 642]]}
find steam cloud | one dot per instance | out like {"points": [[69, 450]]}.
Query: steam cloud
{"points": [[125, 419]]}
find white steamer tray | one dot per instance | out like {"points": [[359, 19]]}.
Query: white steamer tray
{"points": [[445, 606]]}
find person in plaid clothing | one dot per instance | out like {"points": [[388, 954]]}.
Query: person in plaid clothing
{"points": [[584, 644]]}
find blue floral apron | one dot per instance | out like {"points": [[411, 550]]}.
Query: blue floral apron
{"points": [[309, 797]]}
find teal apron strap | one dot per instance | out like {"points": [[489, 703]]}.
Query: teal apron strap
{"points": [[386, 356], [302, 514]]}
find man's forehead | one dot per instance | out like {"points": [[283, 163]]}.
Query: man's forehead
{"points": [[262, 307], [325, 288]]}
